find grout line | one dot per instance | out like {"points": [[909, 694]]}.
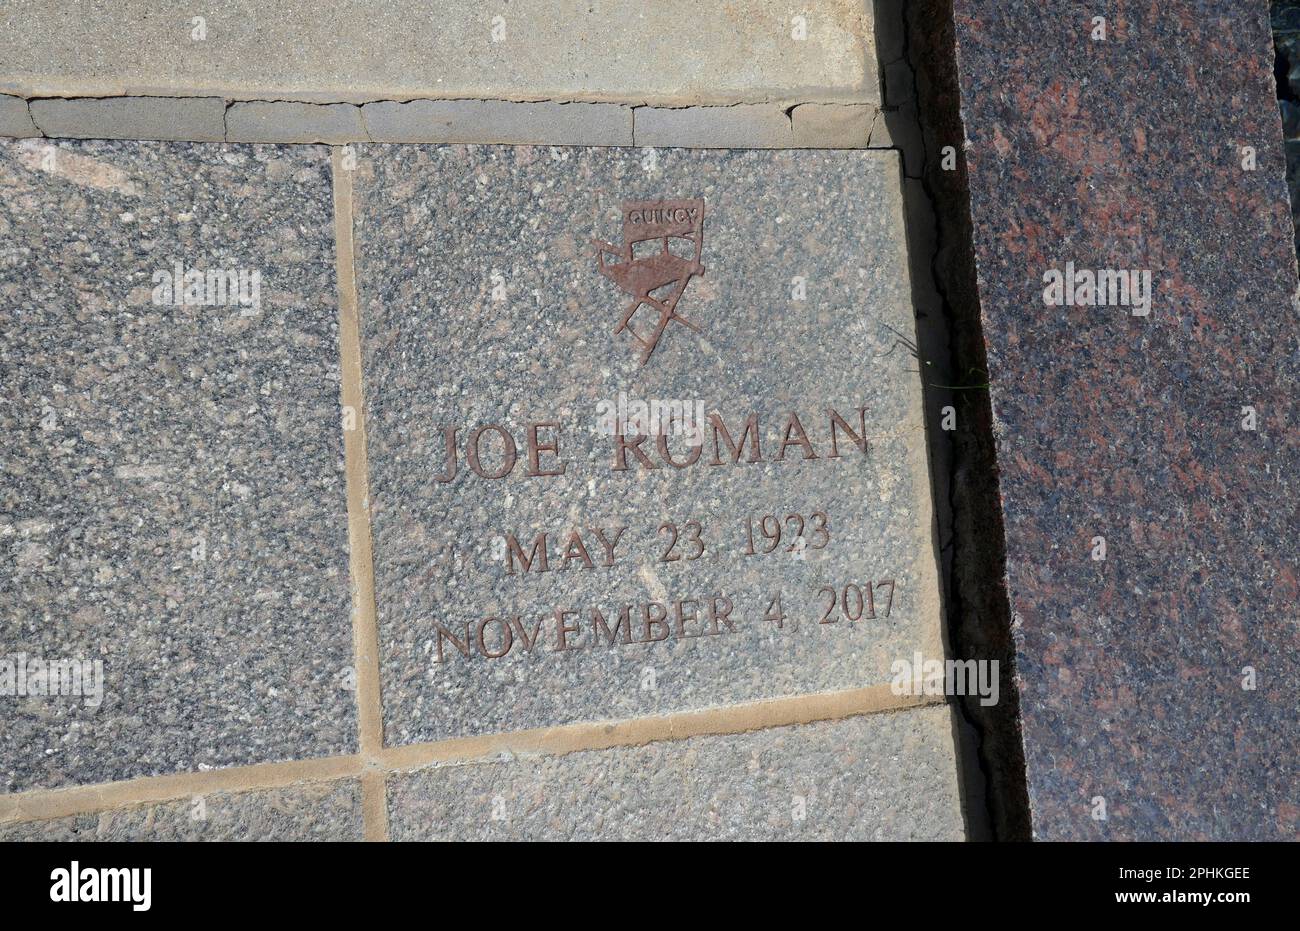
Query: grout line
{"points": [[42, 804], [374, 804], [603, 735], [365, 632]]}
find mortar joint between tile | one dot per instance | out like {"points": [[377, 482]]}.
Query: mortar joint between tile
{"points": [[361, 561]]}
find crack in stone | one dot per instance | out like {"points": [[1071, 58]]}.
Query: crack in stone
{"points": [[32, 116]]}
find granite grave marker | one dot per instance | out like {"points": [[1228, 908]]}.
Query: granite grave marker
{"points": [[645, 433]]}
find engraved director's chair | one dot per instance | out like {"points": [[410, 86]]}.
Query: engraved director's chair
{"points": [[645, 221]]}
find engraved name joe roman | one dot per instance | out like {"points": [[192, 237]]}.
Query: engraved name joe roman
{"points": [[742, 441]]}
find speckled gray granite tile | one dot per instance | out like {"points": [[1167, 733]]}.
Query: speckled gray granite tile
{"points": [[482, 304], [875, 777], [323, 812], [172, 496]]}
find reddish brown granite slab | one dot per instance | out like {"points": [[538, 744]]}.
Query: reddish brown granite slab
{"points": [[1125, 154]]}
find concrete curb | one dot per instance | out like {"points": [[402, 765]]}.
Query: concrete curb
{"points": [[213, 119]]}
